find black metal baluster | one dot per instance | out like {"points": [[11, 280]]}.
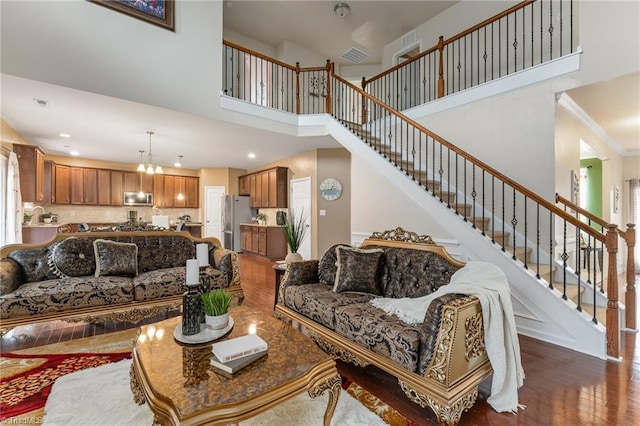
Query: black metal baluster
{"points": [[526, 266], [537, 241], [564, 257], [493, 210], [473, 195], [504, 218], [514, 223]]}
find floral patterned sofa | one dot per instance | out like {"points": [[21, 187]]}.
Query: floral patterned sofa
{"points": [[94, 276], [439, 363]]}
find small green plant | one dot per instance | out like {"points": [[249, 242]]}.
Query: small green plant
{"points": [[27, 217], [261, 216], [216, 302], [295, 229]]}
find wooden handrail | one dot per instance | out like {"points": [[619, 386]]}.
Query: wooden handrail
{"points": [[580, 210], [258, 54], [450, 40], [489, 21], [400, 65], [528, 193]]}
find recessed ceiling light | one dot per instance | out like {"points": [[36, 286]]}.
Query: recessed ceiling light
{"points": [[74, 153], [64, 135], [251, 155]]}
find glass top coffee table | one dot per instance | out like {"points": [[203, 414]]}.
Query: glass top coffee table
{"points": [[176, 380]]}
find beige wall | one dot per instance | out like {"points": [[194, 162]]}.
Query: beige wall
{"points": [[318, 165], [8, 136]]}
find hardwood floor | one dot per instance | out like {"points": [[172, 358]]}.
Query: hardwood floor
{"points": [[561, 386]]}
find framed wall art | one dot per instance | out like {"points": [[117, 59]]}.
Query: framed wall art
{"points": [[616, 199], [157, 12]]}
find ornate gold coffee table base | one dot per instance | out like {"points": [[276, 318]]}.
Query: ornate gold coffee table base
{"points": [[190, 393]]}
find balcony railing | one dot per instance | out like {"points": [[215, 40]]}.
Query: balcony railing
{"points": [[528, 34]]}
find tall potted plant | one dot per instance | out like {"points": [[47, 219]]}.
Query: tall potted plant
{"points": [[295, 231]]}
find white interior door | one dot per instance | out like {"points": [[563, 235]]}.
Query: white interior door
{"points": [[214, 196], [300, 203]]}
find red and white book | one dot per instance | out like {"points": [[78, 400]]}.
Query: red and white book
{"points": [[239, 347]]}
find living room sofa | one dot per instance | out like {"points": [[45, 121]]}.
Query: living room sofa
{"points": [[438, 363], [97, 276]]}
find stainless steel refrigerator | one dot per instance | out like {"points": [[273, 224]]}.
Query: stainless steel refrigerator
{"points": [[236, 210]]}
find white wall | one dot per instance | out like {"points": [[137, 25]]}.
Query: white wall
{"points": [[88, 47], [378, 205]]}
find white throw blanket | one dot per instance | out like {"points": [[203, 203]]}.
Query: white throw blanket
{"points": [[488, 283]]}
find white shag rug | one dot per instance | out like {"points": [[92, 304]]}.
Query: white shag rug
{"points": [[102, 396]]}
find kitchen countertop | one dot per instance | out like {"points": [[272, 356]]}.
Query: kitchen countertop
{"points": [[44, 225]]}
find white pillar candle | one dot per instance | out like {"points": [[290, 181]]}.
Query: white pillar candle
{"points": [[202, 250], [193, 272]]}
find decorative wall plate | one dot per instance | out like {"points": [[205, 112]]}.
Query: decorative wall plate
{"points": [[330, 189]]}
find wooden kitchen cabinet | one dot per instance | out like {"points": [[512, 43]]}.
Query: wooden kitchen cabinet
{"points": [[179, 192], [158, 190], [267, 241], [267, 188], [117, 188], [32, 177], [90, 186], [77, 185], [191, 196], [243, 185], [169, 193], [103, 187], [60, 184], [136, 182]]}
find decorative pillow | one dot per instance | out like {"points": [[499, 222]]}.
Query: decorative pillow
{"points": [[304, 272], [72, 257], [113, 258], [327, 266], [9, 276], [357, 270]]}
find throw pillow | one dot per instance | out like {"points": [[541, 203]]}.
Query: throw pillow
{"points": [[357, 270], [9, 276], [113, 258], [72, 257], [304, 272], [327, 266]]}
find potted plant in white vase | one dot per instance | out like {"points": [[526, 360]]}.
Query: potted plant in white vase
{"points": [[215, 304], [295, 231]]}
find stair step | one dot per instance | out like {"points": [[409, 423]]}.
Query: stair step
{"points": [[546, 271], [463, 209], [446, 196], [571, 292], [601, 312]]}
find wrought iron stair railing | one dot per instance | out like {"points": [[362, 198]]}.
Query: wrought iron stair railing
{"points": [[527, 34], [589, 247]]}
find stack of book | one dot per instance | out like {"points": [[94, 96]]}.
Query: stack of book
{"points": [[232, 355]]}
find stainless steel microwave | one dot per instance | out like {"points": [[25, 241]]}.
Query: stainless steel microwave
{"points": [[138, 199]]}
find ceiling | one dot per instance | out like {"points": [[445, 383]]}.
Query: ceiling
{"points": [[115, 129]]}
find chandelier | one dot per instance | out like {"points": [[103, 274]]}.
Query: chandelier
{"points": [[148, 166]]}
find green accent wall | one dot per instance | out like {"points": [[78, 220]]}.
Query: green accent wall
{"points": [[594, 185]]}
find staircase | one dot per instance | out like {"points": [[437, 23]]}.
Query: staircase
{"points": [[496, 219]]}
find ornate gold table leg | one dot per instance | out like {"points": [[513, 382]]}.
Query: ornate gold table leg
{"points": [[333, 385], [138, 395]]}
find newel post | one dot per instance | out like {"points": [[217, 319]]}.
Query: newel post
{"points": [[297, 87], [441, 67], [613, 315], [329, 68], [630, 293]]}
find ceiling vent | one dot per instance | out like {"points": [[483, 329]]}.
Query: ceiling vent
{"points": [[355, 55], [41, 102], [408, 39]]}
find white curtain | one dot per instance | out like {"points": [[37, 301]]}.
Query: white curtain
{"points": [[634, 214], [13, 223]]}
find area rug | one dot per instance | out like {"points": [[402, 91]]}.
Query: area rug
{"points": [[101, 396], [115, 346]]}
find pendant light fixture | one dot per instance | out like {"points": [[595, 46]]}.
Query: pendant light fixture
{"points": [[149, 167], [179, 162]]}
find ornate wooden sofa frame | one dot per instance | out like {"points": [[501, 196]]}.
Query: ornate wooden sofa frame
{"points": [[458, 362], [133, 310]]}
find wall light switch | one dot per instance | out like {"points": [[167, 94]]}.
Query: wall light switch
{"points": [[323, 212]]}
